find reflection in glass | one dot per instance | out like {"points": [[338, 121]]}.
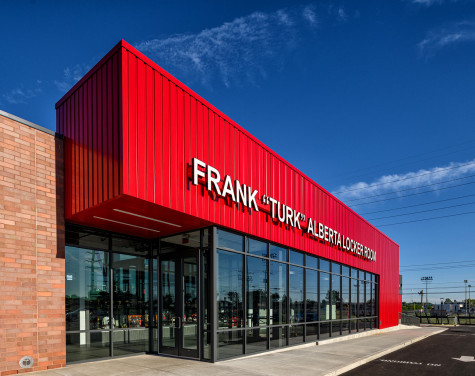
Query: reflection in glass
{"points": [[168, 303], [336, 297], [336, 268], [255, 247], [87, 346], [324, 265], [296, 294], [312, 295], [336, 328], [278, 337], [229, 240], [278, 293], [190, 303], [130, 341], [312, 333], [296, 258], [87, 289], [277, 253], [155, 305], [373, 303], [131, 303], [354, 298], [131, 294], [345, 298], [324, 330], [230, 344], [361, 299], [229, 268], [256, 340], [312, 262], [296, 334], [345, 270], [325, 309], [256, 287]]}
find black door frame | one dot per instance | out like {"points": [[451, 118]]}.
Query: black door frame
{"points": [[178, 257]]}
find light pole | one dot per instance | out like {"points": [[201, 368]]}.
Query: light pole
{"points": [[441, 301], [421, 293], [465, 281], [469, 287], [427, 279]]}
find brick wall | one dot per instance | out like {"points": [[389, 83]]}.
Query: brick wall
{"points": [[32, 318]]}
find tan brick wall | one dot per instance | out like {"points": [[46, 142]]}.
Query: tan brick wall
{"points": [[32, 312]]}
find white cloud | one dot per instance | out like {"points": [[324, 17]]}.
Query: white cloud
{"points": [[71, 75], [20, 95], [236, 51], [309, 15], [446, 37], [415, 179], [427, 2]]}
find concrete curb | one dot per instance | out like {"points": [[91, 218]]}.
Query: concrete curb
{"points": [[367, 333], [368, 359]]}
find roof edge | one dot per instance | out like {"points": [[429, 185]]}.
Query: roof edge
{"points": [[89, 73], [26, 122]]}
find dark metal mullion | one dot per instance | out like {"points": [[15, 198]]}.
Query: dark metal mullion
{"points": [[213, 296], [111, 300], [350, 301], [330, 301], [341, 302], [150, 297], [305, 301], [318, 303], [244, 295], [159, 302], [200, 296], [268, 262], [288, 299]]}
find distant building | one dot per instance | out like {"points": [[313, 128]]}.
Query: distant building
{"points": [[451, 308]]}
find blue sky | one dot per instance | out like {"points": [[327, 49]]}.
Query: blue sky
{"points": [[370, 98]]}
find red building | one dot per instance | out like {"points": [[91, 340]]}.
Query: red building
{"points": [[186, 235]]}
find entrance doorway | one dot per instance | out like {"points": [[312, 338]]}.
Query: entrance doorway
{"points": [[180, 300]]}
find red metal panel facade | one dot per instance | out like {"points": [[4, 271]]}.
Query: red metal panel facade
{"points": [[131, 131]]}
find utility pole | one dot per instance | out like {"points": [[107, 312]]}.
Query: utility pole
{"points": [[427, 279], [465, 281]]}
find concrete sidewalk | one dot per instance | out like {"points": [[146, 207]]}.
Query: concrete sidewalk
{"points": [[326, 359]]}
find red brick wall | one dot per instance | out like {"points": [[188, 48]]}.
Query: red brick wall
{"points": [[32, 318]]}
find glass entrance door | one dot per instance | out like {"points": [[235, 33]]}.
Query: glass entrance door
{"points": [[179, 274]]}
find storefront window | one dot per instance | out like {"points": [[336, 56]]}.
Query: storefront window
{"points": [[229, 240], [296, 258], [336, 297], [345, 298], [324, 265], [312, 262], [256, 292], [325, 294], [255, 247], [278, 293], [87, 289], [312, 295], [296, 290], [277, 253], [229, 267]]}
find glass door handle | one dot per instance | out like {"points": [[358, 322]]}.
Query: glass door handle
{"points": [[178, 319]]}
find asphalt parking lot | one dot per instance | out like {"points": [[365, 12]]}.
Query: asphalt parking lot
{"points": [[449, 353]]}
